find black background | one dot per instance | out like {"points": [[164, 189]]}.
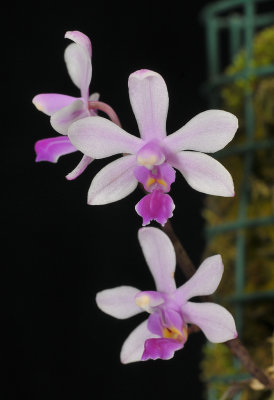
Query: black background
{"points": [[60, 251]]}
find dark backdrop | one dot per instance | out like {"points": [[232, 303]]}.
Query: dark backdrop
{"points": [[60, 251]]}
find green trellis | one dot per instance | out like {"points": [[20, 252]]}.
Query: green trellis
{"points": [[238, 20]]}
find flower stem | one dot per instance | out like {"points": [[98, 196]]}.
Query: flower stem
{"points": [[99, 105], [184, 262], [234, 345]]}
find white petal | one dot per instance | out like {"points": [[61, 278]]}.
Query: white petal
{"points": [[62, 119], [204, 173], [114, 182], [160, 257], [79, 67], [133, 347], [205, 280], [98, 137], [215, 321], [149, 100], [208, 132], [118, 302]]}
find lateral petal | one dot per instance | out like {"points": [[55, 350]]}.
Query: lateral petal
{"points": [[214, 320], [98, 137], [51, 149], [114, 182], [62, 119], [133, 347], [118, 302], [49, 103], [160, 257], [80, 168], [204, 173], [149, 100], [204, 282], [208, 132]]}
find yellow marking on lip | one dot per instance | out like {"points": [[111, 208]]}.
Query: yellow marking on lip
{"points": [[150, 181], [162, 182], [172, 333]]}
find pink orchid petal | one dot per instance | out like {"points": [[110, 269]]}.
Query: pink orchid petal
{"points": [[161, 348], [155, 206], [149, 100], [114, 182], [118, 302], [98, 137], [204, 282], [207, 132], [133, 347], [79, 67], [80, 168], [49, 103], [51, 149], [204, 173], [62, 119], [215, 321], [160, 257], [81, 39]]}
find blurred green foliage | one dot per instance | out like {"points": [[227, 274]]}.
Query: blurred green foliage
{"points": [[259, 270]]}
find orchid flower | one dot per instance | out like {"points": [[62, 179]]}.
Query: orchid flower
{"points": [[152, 158], [63, 109], [165, 331]]}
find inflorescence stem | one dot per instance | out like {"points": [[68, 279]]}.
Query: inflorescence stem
{"points": [[234, 345], [99, 105], [188, 269]]}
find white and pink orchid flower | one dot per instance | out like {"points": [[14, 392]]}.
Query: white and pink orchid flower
{"points": [[63, 109], [152, 158], [165, 331]]}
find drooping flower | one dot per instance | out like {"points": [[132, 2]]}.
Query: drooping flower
{"points": [[166, 329], [63, 109], [152, 158]]}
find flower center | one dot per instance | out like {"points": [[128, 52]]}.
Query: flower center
{"points": [[173, 333], [149, 155], [159, 177]]}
